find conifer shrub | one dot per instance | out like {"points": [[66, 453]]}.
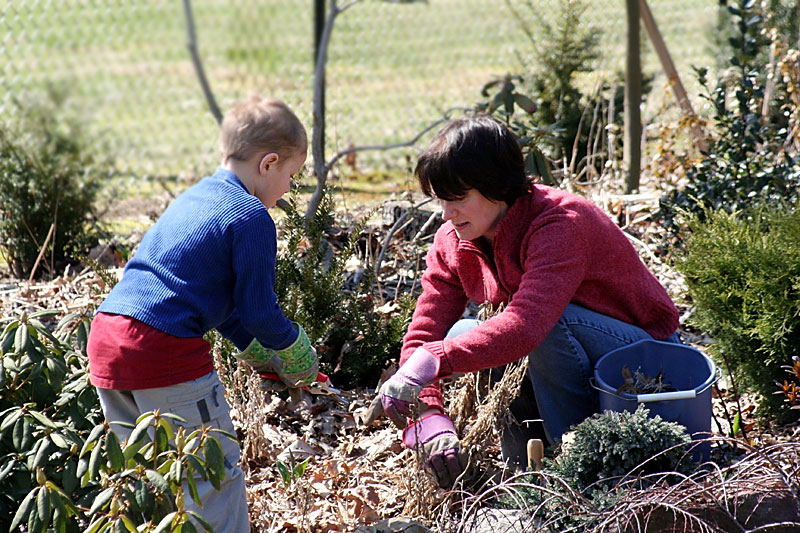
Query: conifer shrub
{"points": [[612, 445], [743, 275], [48, 184], [607, 449], [560, 122], [353, 337]]}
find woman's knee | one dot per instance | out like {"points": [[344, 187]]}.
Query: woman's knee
{"points": [[462, 326]]}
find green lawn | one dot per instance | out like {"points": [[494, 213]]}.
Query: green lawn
{"points": [[393, 67]]}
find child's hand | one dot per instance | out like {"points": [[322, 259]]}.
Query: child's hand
{"points": [[302, 375], [296, 365]]}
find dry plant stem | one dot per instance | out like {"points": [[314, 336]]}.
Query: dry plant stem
{"points": [[420, 488], [587, 162], [493, 411], [239, 383], [416, 273], [41, 252], [649, 252], [574, 157], [556, 489], [724, 410], [594, 134], [425, 227], [771, 469], [398, 224], [718, 487], [463, 406]]}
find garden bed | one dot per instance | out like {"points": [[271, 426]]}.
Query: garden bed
{"points": [[360, 479]]}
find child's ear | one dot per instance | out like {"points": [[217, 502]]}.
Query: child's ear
{"points": [[270, 158]]}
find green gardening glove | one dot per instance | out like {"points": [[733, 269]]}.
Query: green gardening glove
{"points": [[296, 365]]}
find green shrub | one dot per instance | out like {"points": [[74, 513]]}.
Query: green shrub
{"points": [[504, 100], [743, 274], [60, 466], [748, 163], [561, 51], [353, 338], [47, 179], [782, 15], [608, 448], [612, 445], [368, 337], [561, 122], [44, 385]]}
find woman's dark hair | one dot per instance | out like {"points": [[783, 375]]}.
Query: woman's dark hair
{"points": [[473, 153]]}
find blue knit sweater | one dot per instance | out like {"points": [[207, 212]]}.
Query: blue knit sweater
{"points": [[208, 262]]}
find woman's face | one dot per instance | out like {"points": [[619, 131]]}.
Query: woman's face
{"points": [[474, 215]]}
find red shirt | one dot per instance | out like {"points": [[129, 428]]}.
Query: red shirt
{"points": [[126, 354], [551, 248]]}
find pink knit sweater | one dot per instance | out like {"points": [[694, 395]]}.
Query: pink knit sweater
{"points": [[551, 248]]}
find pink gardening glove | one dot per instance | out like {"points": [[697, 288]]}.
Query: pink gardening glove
{"points": [[401, 391], [439, 440]]}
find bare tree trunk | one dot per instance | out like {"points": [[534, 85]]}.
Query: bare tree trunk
{"points": [[671, 72], [632, 152], [318, 126], [319, 28]]}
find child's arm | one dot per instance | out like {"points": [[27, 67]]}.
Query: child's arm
{"points": [[233, 330]]}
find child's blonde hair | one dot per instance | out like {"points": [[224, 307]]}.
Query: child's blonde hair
{"points": [[259, 123]]}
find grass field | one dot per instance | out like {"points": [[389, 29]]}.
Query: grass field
{"points": [[393, 66]]}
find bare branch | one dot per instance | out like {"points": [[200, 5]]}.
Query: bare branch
{"points": [[191, 44], [381, 147], [41, 252]]}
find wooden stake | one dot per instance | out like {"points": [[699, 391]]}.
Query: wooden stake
{"points": [[535, 454], [671, 72]]}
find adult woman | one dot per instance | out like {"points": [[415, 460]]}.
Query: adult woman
{"points": [[573, 287]]}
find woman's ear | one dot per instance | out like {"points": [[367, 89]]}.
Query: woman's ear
{"points": [[271, 158]]}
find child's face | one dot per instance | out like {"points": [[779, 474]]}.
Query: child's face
{"points": [[474, 215], [277, 178]]}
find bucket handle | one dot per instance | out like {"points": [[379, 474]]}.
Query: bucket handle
{"points": [[662, 396]]}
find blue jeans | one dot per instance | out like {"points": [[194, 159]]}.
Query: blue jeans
{"points": [[559, 370]]}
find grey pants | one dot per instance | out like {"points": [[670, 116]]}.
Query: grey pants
{"points": [[200, 402]]}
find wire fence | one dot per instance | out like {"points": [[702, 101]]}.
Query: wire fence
{"points": [[393, 66]]}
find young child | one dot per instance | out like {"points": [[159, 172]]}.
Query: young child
{"points": [[572, 286], [207, 263]]}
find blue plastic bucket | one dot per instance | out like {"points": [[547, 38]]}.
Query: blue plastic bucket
{"points": [[689, 371]]}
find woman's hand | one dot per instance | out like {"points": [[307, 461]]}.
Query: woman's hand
{"points": [[401, 391], [437, 436]]}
